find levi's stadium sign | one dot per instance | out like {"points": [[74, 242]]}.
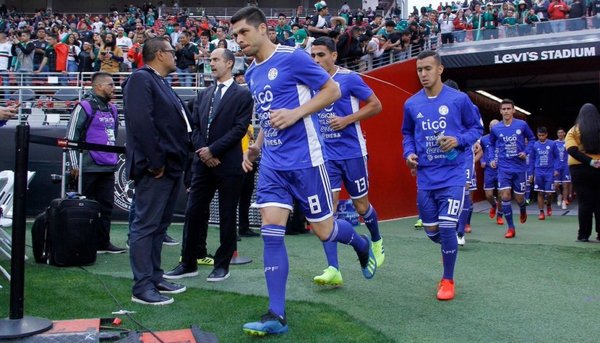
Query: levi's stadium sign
{"points": [[529, 54]]}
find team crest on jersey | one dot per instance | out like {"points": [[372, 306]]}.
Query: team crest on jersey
{"points": [[518, 131], [273, 74], [429, 157], [443, 110]]}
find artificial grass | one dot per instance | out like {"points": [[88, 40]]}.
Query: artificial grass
{"points": [[540, 286]]}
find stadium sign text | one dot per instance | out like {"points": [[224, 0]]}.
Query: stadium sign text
{"points": [[545, 55]]}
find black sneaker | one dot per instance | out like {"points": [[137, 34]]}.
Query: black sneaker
{"points": [[180, 272], [111, 249], [166, 287], [151, 297], [168, 240]]}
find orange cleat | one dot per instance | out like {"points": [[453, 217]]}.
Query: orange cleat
{"points": [[510, 233], [549, 210], [542, 216], [499, 220], [523, 216], [445, 290], [468, 228], [492, 212]]}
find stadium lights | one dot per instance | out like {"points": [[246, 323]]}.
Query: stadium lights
{"points": [[497, 99]]}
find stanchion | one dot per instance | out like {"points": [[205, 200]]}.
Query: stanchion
{"points": [[17, 325]]}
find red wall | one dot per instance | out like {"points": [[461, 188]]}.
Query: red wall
{"points": [[392, 189]]}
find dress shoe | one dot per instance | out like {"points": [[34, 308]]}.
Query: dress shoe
{"points": [[249, 233], [168, 240], [166, 287], [151, 297], [180, 272], [218, 274]]}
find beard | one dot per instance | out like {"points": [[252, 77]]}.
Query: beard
{"points": [[109, 43]]}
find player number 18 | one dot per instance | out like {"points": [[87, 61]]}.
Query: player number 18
{"points": [[453, 207]]}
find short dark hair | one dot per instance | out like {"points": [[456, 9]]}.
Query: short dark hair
{"points": [[542, 129], [560, 128], [326, 42], [253, 16], [430, 53], [507, 102], [390, 23], [151, 47], [97, 76], [205, 33]]}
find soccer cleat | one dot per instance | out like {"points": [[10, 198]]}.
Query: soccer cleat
{"points": [[331, 277], [445, 290], [499, 220], [468, 228], [564, 205], [549, 210], [510, 233], [206, 261], [419, 224], [269, 324], [523, 216], [461, 240], [379, 252], [541, 216], [492, 212], [368, 262]]}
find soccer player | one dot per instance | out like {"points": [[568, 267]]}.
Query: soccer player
{"points": [[511, 137], [544, 159], [439, 124], [346, 150], [564, 176], [490, 175], [282, 80]]}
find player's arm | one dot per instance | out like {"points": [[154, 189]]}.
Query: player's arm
{"points": [[283, 118], [371, 108], [253, 152], [478, 152], [408, 140], [492, 150]]}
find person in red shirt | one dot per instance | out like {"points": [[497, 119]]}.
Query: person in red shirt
{"points": [[134, 55], [558, 11]]}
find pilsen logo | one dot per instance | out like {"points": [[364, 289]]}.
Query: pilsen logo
{"points": [[545, 55]]}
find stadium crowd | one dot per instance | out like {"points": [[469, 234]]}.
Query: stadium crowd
{"points": [[365, 38]]}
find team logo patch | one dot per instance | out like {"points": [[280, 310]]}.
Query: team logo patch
{"points": [[443, 110], [123, 191], [518, 132], [273, 74]]}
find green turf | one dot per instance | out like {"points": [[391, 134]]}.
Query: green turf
{"points": [[540, 286]]}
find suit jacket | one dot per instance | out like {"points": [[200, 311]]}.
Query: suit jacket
{"points": [[226, 129], [156, 130]]}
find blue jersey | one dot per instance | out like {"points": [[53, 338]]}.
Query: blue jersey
{"points": [[348, 143], [286, 79], [544, 157], [511, 140], [563, 156], [451, 113]]}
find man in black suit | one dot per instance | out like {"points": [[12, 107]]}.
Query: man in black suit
{"points": [[221, 116], [158, 141]]}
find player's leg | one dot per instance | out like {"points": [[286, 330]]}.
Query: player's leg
{"points": [[449, 204], [538, 187], [505, 192], [548, 192], [462, 219], [489, 184]]}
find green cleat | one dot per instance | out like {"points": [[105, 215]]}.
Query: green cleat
{"points": [[379, 252], [331, 277], [419, 224]]}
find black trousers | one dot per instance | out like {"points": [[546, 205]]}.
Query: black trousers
{"points": [[204, 186], [100, 187], [586, 182], [245, 200]]}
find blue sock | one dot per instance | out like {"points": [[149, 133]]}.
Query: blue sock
{"points": [[370, 219], [331, 254], [463, 216], [344, 233], [449, 247], [434, 236], [469, 212], [276, 266], [507, 209]]}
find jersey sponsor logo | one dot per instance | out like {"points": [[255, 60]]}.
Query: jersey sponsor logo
{"points": [[443, 110], [433, 124], [264, 99], [273, 74], [509, 139]]}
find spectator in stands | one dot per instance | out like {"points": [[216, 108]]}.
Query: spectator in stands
{"points": [[348, 48], [595, 12], [447, 28], [111, 56], [124, 42], [490, 22], [55, 57], [97, 25], [221, 33], [73, 56], [558, 11], [86, 58], [319, 25], [577, 20], [378, 23], [281, 27], [40, 45], [5, 56], [541, 10], [23, 50], [510, 23], [186, 59], [273, 35], [461, 25], [134, 55]]}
